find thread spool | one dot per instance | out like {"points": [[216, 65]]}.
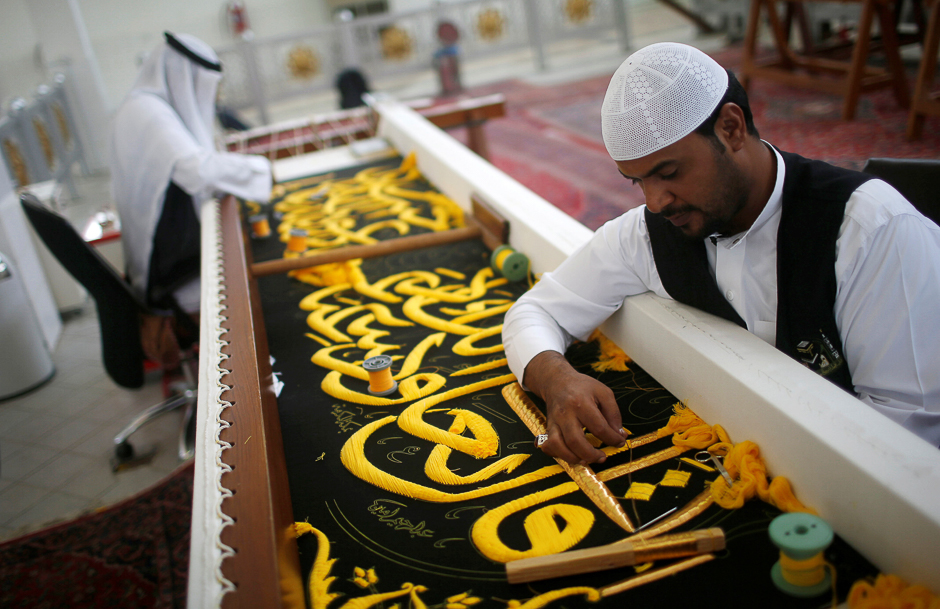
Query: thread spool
{"points": [[509, 263], [801, 538], [380, 375], [297, 240], [260, 227]]}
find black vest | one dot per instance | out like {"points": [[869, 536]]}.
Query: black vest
{"points": [[814, 197]]}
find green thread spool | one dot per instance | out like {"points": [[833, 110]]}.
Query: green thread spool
{"points": [[509, 263], [801, 538]]}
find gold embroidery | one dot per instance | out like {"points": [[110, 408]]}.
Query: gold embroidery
{"points": [[640, 490], [675, 477]]}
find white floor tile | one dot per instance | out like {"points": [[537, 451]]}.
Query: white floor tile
{"points": [[17, 498]]}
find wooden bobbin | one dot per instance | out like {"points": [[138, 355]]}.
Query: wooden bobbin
{"points": [[380, 375], [802, 538], [509, 263], [297, 241], [260, 227]]}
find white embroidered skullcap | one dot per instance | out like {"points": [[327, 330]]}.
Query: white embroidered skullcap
{"points": [[659, 95]]}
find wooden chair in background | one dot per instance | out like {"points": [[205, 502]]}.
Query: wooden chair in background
{"points": [[848, 79], [925, 100]]}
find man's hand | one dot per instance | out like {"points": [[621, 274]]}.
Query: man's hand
{"points": [[574, 401]]}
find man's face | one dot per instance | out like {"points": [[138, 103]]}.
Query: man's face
{"points": [[693, 185]]}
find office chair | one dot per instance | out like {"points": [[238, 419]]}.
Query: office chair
{"points": [[917, 179], [119, 312]]}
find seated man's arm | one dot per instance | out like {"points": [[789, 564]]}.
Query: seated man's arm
{"points": [[206, 171], [567, 304], [886, 309]]}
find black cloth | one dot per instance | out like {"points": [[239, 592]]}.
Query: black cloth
{"points": [[175, 257], [813, 207]]}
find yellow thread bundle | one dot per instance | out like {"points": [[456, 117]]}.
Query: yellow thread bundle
{"points": [[890, 592], [611, 356], [749, 472]]}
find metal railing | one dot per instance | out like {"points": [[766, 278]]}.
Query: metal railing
{"points": [[259, 72]]}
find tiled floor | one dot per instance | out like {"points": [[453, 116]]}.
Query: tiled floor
{"points": [[55, 442]]}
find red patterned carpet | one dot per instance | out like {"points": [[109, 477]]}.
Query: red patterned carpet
{"points": [[133, 554], [550, 139]]}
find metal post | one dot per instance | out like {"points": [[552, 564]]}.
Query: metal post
{"points": [[622, 21], [534, 28], [255, 79]]}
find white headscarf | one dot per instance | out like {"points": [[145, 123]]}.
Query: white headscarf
{"points": [[163, 132]]}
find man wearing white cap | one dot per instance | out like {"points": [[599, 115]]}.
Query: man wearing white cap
{"points": [[799, 252], [164, 166]]}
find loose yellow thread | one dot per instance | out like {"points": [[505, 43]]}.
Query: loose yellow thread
{"points": [[611, 356], [640, 490], [675, 477], [749, 473], [890, 592]]}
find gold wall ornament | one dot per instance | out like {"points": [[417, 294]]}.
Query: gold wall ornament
{"points": [[303, 62], [579, 11], [42, 134], [17, 164], [63, 124], [396, 43], [490, 24]]}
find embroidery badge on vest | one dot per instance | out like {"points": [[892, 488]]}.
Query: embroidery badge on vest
{"points": [[820, 355]]}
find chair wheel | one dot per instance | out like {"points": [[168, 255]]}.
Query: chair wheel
{"points": [[124, 451]]}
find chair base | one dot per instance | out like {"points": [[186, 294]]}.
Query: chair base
{"points": [[183, 396]]}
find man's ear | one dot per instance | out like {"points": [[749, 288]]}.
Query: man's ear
{"points": [[731, 128]]}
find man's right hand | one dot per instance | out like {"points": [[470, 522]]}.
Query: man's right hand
{"points": [[574, 401]]}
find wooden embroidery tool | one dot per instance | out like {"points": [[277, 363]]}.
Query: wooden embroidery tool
{"points": [[485, 224], [612, 556], [582, 475]]}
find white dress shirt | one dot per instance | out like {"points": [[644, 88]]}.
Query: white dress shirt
{"points": [[888, 293]]}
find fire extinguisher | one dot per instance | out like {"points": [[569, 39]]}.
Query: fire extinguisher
{"points": [[237, 17]]}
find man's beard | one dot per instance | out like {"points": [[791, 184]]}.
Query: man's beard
{"points": [[729, 197]]}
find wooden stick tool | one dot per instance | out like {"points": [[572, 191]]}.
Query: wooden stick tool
{"points": [[612, 556], [582, 475]]}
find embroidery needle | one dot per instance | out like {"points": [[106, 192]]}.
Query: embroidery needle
{"points": [[657, 519], [582, 475]]}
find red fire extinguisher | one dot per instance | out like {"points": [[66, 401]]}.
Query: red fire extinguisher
{"points": [[237, 17]]}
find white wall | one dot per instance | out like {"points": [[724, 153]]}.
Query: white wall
{"points": [[123, 32]]}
